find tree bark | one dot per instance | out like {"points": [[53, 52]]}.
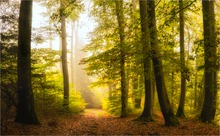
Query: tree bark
{"points": [[168, 114], [147, 113], [64, 60], [25, 110], [210, 57], [180, 111], [124, 92]]}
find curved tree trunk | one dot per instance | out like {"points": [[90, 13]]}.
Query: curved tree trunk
{"points": [[168, 114], [25, 110]]}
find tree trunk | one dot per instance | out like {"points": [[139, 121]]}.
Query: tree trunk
{"points": [[172, 86], [201, 94], [196, 81], [209, 105], [168, 114], [180, 111], [145, 40], [72, 52], [124, 92], [76, 61], [64, 60], [137, 92], [137, 77], [25, 110]]}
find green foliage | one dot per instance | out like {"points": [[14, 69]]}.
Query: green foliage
{"points": [[8, 34], [51, 100], [47, 84], [104, 49], [71, 10], [103, 61], [46, 79], [112, 105]]}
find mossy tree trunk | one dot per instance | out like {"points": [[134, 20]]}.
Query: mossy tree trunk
{"points": [[210, 57]]}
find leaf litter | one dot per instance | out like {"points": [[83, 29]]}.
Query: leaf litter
{"points": [[98, 122]]}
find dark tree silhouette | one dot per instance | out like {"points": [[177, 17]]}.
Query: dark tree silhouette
{"points": [[168, 114], [147, 113], [210, 57], [25, 110]]}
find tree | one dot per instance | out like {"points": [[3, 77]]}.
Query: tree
{"points": [[121, 23], [180, 111], [73, 47], [25, 110], [64, 58], [210, 57], [136, 63], [145, 41], [167, 111], [60, 12]]}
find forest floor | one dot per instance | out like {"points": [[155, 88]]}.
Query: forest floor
{"points": [[98, 122]]}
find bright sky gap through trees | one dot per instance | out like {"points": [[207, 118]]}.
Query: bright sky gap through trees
{"points": [[85, 24]]}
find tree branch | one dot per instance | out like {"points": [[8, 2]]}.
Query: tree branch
{"points": [[177, 13]]}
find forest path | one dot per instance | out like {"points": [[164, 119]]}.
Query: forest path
{"points": [[92, 121], [99, 122], [95, 113]]}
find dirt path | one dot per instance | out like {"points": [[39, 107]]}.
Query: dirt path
{"points": [[98, 122], [90, 122]]}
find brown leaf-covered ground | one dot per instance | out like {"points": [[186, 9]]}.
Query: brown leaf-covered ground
{"points": [[98, 122]]}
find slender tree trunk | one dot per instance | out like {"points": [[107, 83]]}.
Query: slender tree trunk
{"points": [[145, 40], [172, 86], [168, 114], [201, 94], [134, 89], [209, 105], [137, 93], [76, 58], [196, 82], [72, 52], [173, 74], [136, 80], [64, 60], [25, 110], [51, 38], [124, 92], [188, 46], [180, 111]]}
